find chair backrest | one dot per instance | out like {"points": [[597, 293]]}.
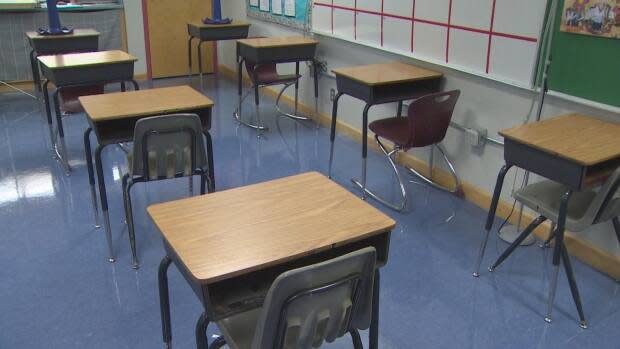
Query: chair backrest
{"points": [[429, 118], [606, 203], [169, 146], [317, 303]]}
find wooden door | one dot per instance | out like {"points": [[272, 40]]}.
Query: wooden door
{"points": [[167, 25]]}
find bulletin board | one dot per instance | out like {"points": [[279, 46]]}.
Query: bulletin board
{"points": [[497, 39], [291, 13]]}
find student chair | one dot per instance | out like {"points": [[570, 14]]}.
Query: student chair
{"points": [[585, 209], [265, 75], [69, 102], [164, 147], [426, 124], [308, 306]]}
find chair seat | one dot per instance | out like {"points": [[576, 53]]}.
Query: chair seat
{"points": [[238, 330], [394, 129], [545, 198]]}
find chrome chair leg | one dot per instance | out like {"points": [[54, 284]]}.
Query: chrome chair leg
{"points": [[429, 180], [390, 157], [294, 115], [237, 114], [130, 224]]}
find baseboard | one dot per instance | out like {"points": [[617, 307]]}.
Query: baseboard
{"points": [[28, 85], [578, 247]]}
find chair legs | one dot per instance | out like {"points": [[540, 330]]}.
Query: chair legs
{"points": [[357, 340], [290, 115], [616, 223], [218, 343], [127, 184], [526, 232], [390, 157], [429, 180], [202, 341]]}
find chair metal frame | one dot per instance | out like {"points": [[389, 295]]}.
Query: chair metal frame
{"points": [[255, 88], [129, 180]]}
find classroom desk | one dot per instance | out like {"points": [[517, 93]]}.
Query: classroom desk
{"points": [[574, 150], [379, 84], [231, 259], [113, 117], [288, 49], [81, 40], [81, 69], [213, 32]]}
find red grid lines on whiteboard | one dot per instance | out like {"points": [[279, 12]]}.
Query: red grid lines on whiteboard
{"points": [[449, 25]]}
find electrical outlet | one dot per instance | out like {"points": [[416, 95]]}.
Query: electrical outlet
{"points": [[476, 138], [332, 94]]}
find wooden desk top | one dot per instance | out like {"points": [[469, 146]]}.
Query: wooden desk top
{"points": [[281, 41], [582, 139], [387, 73], [233, 24], [237, 231], [86, 59], [32, 35], [165, 100]]}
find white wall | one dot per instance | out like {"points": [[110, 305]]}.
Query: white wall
{"points": [[135, 33], [483, 103]]}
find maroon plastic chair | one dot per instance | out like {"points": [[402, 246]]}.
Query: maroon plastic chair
{"points": [[426, 124], [69, 102], [267, 75]]}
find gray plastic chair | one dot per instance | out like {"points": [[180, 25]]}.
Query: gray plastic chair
{"points": [[164, 147], [585, 209], [308, 306]]}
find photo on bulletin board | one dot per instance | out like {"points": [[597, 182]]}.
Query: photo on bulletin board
{"points": [[291, 13], [592, 17]]}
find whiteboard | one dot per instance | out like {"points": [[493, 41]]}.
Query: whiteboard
{"points": [[497, 39]]}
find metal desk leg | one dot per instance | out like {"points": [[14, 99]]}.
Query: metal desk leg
{"points": [[201, 332], [296, 88], [257, 99], [557, 252], [91, 175], [200, 61], [491, 216], [164, 301], [332, 135], [362, 185], [316, 96], [36, 77], [573, 287], [374, 325], [48, 113], [399, 112], [62, 153], [211, 187], [123, 87], [104, 202], [189, 56]]}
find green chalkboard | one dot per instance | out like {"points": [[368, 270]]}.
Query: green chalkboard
{"points": [[585, 66]]}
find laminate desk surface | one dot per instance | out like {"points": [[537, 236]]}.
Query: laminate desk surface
{"points": [[281, 41], [233, 24], [387, 73], [32, 35], [234, 232], [166, 100], [582, 139], [87, 59]]}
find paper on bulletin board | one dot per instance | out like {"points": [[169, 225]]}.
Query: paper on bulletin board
{"points": [[254, 3], [289, 8], [276, 7], [264, 5], [592, 17]]}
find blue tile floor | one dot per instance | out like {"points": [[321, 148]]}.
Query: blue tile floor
{"points": [[57, 289]]}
